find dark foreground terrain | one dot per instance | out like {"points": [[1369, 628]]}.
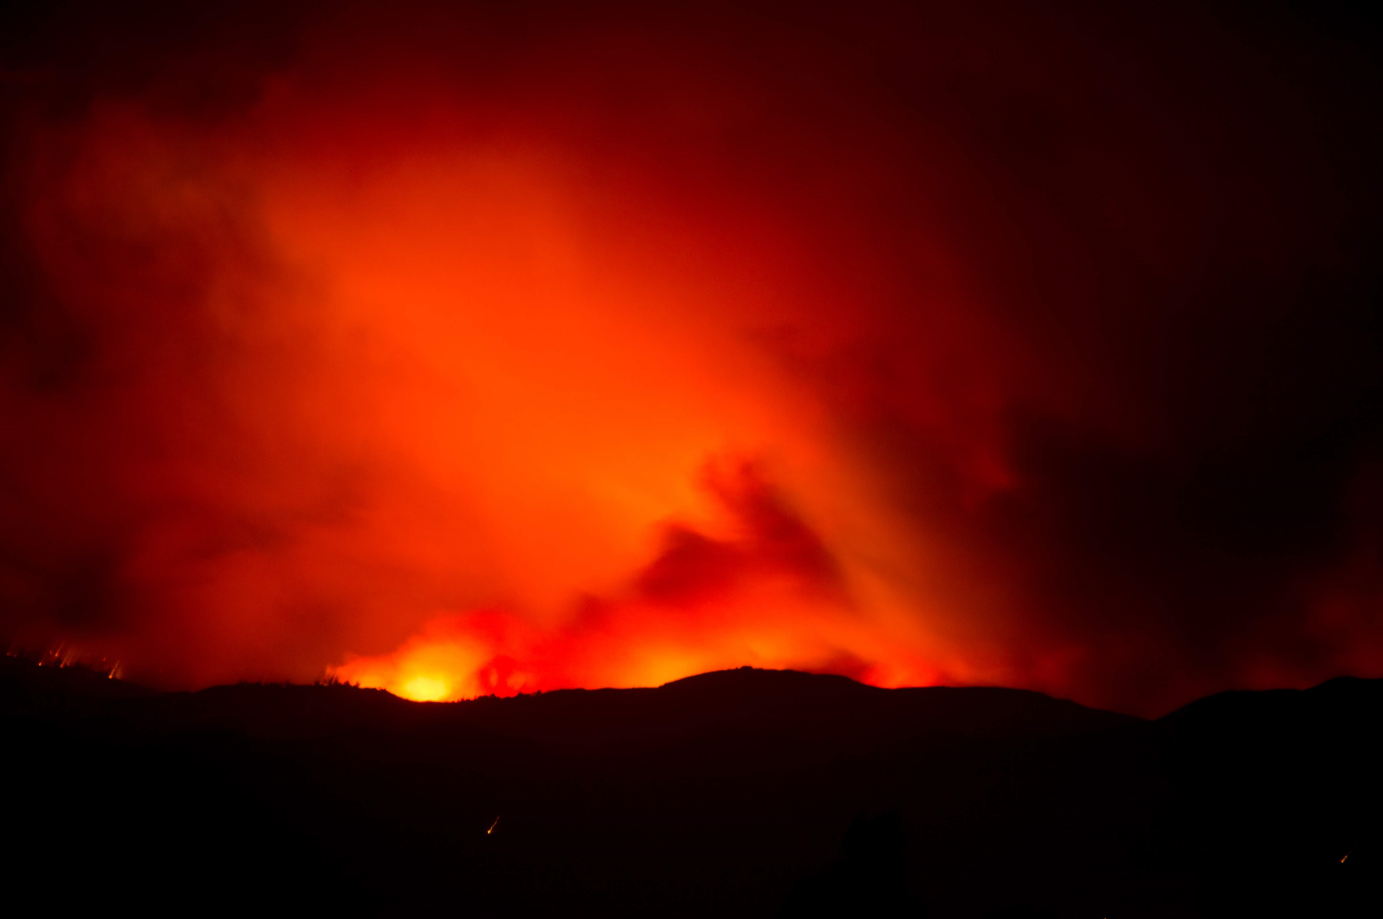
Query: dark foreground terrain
{"points": [[739, 793]]}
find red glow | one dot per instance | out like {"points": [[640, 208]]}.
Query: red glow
{"points": [[433, 370], [459, 361]]}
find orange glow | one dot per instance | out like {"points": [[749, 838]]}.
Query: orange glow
{"points": [[424, 689], [478, 403], [464, 351]]}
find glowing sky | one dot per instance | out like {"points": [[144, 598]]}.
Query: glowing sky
{"points": [[491, 351]]}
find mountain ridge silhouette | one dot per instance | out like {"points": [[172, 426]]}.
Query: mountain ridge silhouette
{"points": [[740, 792]]}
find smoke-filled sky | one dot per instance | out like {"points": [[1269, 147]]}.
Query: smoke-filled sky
{"points": [[481, 348]]}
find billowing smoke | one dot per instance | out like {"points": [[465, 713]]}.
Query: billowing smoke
{"points": [[490, 350]]}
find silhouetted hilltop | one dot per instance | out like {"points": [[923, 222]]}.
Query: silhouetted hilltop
{"points": [[1279, 787], [773, 715], [738, 793], [1340, 698], [780, 711], [36, 681]]}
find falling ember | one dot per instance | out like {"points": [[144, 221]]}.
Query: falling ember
{"points": [[492, 827]]}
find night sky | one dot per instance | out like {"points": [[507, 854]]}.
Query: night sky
{"points": [[479, 348]]}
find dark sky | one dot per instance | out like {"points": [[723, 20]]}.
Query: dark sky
{"points": [[492, 347]]}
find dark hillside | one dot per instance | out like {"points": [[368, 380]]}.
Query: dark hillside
{"points": [[739, 793], [1279, 787]]}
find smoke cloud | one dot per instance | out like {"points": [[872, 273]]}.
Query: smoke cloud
{"points": [[515, 347]]}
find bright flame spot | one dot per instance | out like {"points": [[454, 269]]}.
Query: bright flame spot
{"points": [[424, 689], [492, 827], [434, 666]]}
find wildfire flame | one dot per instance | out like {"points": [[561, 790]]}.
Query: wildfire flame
{"points": [[464, 354]]}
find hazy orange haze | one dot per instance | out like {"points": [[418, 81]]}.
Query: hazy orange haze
{"points": [[461, 353]]}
